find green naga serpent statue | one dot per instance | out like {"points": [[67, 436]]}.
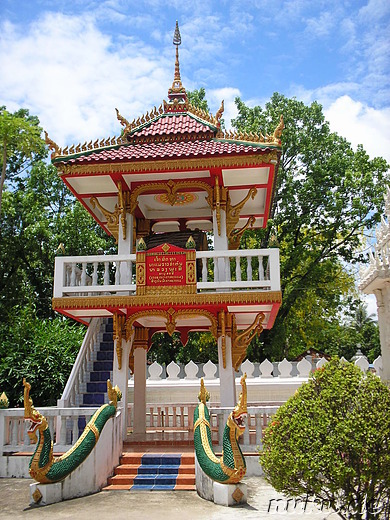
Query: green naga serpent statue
{"points": [[231, 467], [44, 467]]}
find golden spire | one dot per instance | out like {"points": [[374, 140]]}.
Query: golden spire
{"points": [[177, 89], [177, 42]]}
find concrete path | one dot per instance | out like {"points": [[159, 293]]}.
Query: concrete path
{"points": [[167, 505]]}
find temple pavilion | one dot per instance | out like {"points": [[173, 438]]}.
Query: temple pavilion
{"points": [[171, 182]]}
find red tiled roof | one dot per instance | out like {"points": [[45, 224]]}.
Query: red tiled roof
{"points": [[153, 151], [173, 124]]}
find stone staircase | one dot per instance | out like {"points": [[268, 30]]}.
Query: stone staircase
{"points": [[154, 472], [101, 370]]}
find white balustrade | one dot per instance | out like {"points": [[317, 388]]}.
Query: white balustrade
{"points": [[285, 368], [115, 274], [76, 383], [63, 424]]}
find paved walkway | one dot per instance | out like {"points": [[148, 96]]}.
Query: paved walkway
{"points": [[169, 505]]}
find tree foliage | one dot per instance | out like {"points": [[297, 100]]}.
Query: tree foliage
{"points": [[38, 213], [20, 144], [326, 195], [41, 350], [331, 440]]}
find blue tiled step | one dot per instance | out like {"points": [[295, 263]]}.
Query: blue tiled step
{"points": [[157, 472]]}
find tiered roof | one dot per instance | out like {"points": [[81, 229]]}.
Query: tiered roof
{"points": [[176, 129]]}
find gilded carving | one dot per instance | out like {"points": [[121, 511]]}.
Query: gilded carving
{"points": [[112, 217], [120, 211], [241, 340], [233, 212], [52, 146], [171, 316], [201, 299], [171, 188], [236, 234], [119, 321], [253, 159], [224, 330]]}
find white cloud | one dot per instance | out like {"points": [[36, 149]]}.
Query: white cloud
{"points": [[72, 76], [227, 94], [361, 124]]}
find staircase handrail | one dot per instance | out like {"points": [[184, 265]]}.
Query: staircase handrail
{"points": [[93, 328]]}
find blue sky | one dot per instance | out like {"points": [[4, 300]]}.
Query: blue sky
{"points": [[72, 62]]}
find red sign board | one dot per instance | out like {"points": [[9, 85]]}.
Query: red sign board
{"points": [[166, 269], [166, 265]]}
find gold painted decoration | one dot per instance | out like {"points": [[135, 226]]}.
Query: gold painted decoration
{"points": [[112, 217], [233, 212], [171, 316], [201, 299], [182, 199], [253, 159], [52, 146], [241, 340], [119, 321], [124, 122], [120, 210], [4, 401], [236, 234], [171, 190]]}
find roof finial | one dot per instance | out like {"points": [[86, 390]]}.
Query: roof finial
{"points": [[177, 42], [177, 90]]}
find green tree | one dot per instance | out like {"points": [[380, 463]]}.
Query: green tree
{"points": [[331, 441], [197, 98], [326, 194], [20, 144], [41, 350]]}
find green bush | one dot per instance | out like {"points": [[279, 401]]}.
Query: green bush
{"points": [[331, 441], [42, 351]]}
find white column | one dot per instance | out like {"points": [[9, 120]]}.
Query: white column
{"points": [[221, 244], [121, 379], [227, 385], [383, 304], [140, 350], [125, 247]]}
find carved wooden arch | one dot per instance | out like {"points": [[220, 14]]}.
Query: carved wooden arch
{"points": [[171, 188], [171, 316]]}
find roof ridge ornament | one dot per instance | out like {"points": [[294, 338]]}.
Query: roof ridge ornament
{"points": [[177, 93]]}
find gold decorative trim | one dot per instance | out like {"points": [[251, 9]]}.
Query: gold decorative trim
{"points": [[118, 325], [94, 430], [52, 146], [273, 139], [171, 188], [234, 297], [37, 495], [249, 159], [236, 234], [141, 338], [240, 341], [233, 212], [171, 316]]}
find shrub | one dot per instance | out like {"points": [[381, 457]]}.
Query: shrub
{"points": [[331, 441]]}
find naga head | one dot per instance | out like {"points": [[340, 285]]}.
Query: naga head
{"points": [[114, 394], [36, 420], [203, 395], [239, 414]]}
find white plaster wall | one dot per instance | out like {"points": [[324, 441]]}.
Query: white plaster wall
{"points": [[186, 392]]}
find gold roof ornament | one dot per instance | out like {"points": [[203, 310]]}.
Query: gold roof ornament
{"points": [[203, 395], [4, 402], [177, 86]]}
